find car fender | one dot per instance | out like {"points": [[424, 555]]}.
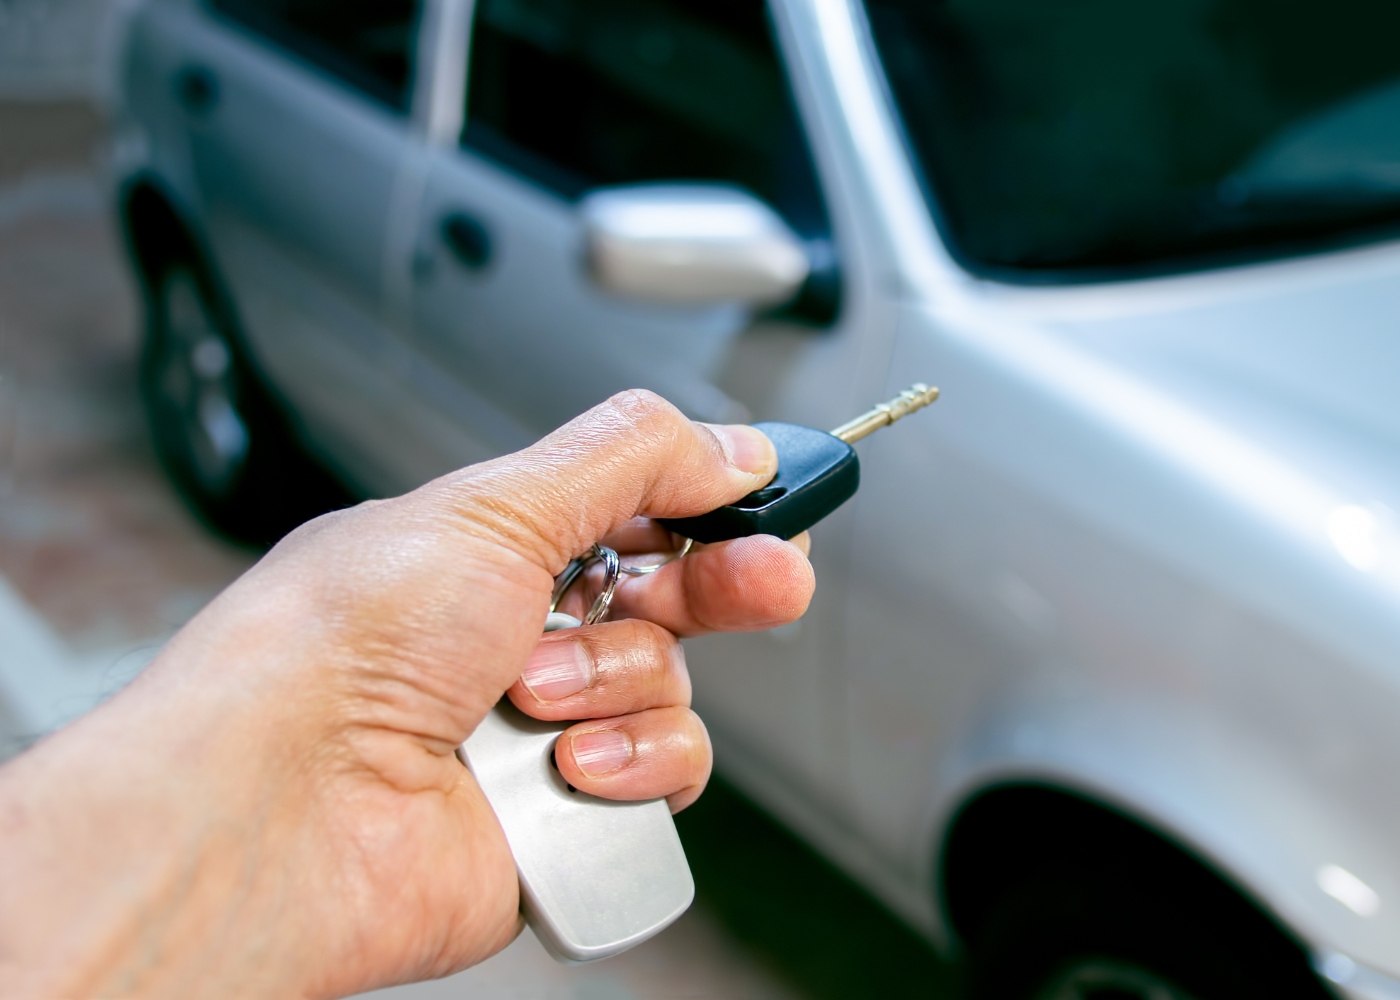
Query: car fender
{"points": [[1173, 767]]}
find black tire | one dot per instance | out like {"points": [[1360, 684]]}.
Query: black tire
{"points": [[217, 430], [1095, 933]]}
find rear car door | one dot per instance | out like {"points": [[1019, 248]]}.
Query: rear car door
{"points": [[297, 116]]}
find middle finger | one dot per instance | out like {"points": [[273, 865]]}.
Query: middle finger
{"points": [[613, 668]]}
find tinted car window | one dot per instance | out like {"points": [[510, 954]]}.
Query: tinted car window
{"points": [[1092, 136], [583, 93], [366, 43]]}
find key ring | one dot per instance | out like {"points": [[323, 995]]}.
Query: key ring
{"points": [[612, 570], [650, 568]]}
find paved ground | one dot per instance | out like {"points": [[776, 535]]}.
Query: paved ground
{"points": [[99, 562]]}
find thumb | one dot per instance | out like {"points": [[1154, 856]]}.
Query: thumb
{"points": [[634, 454]]}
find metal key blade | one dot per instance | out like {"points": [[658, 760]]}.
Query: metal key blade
{"points": [[916, 397]]}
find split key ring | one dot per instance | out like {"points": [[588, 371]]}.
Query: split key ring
{"points": [[612, 573]]}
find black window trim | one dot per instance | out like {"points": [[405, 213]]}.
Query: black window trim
{"points": [[327, 60]]}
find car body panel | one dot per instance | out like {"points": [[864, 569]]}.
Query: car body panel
{"points": [[1100, 540], [1064, 453]]}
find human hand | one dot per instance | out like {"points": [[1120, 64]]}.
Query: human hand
{"points": [[274, 808]]}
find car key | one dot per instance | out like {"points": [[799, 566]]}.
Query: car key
{"points": [[817, 472], [599, 876]]}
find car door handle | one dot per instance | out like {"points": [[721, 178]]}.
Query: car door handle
{"points": [[468, 239], [197, 89]]}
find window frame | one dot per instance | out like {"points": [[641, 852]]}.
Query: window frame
{"points": [[821, 301], [330, 63], [570, 185]]}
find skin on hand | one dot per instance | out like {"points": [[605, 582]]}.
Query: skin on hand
{"points": [[274, 808]]}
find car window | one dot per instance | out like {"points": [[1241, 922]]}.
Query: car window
{"points": [[365, 43], [1098, 138], [583, 93]]}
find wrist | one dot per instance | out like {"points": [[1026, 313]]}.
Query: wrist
{"points": [[128, 872]]}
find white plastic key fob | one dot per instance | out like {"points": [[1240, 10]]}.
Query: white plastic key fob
{"points": [[596, 876]]}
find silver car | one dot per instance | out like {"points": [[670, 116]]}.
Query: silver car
{"points": [[1101, 685]]}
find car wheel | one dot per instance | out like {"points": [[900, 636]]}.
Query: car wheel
{"points": [[1108, 979], [216, 429], [1117, 935]]}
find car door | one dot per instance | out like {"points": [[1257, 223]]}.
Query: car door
{"points": [[298, 119], [563, 97]]}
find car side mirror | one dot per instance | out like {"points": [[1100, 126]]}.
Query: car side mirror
{"points": [[692, 244]]}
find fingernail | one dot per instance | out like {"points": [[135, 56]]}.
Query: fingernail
{"points": [[599, 752], [557, 670], [747, 448]]}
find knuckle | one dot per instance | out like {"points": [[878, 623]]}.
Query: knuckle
{"points": [[699, 735], [681, 738], [641, 406], [634, 651], [650, 635], [643, 413]]}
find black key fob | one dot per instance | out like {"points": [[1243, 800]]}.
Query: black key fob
{"points": [[817, 472]]}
